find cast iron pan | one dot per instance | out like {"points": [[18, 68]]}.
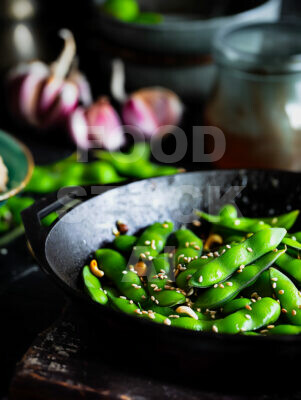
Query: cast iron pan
{"points": [[63, 249]]}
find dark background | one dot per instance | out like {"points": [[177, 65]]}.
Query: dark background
{"points": [[29, 301]]}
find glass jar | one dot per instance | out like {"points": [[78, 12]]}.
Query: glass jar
{"points": [[257, 97]]}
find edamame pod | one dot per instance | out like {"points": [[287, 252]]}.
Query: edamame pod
{"points": [[285, 330], [157, 282], [152, 240], [262, 313], [115, 268], [288, 295], [220, 268], [93, 286], [235, 305], [125, 243], [226, 291], [189, 246], [291, 266]]}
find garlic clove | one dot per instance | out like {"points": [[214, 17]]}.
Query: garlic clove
{"points": [[65, 102], [78, 128], [150, 109], [85, 94], [105, 125]]}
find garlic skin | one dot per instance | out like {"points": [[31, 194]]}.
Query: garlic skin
{"points": [[151, 109], [97, 126], [44, 96]]}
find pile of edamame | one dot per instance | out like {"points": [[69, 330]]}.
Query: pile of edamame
{"points": [[222, 274]]}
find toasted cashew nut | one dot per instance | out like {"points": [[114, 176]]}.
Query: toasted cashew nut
{"points": [[213, 238], [95, 270], [141, 268], [187, 310]]}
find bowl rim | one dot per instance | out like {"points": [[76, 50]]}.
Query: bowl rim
{"points": [[194, 25], [12, 192]]}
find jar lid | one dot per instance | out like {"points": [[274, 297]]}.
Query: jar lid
{"points": [[272, 48]]}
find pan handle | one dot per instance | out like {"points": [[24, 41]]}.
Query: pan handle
{"points": [[65, 199]]}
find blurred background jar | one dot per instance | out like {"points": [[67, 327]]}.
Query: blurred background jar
{"points": [[257, 97]]}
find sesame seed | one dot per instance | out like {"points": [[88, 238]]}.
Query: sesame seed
{"points": [[210, 255], [143, 297], [274, 285], [197, 247], [229, 284], [248, 307], [198, 310], [137, 311], [281, 291], [167, 322], [123, 297], [221, 286], [151, 315], [248, 316], [147, 242], [201, 279], [284, 310], [215, 286], [144, 312], [147, 253], [190, 293], [228, 246], [250, 250], [271, 326], [253, 300], [204, 257], [142, 255], [237, 222], [188, 277], [187, 244], [165, 226], [264, 331], [274, 279], [294, 312], [124, 272], [254, 294], [259, 298], [215, 328], [216, 254], [153, 298], [157, 301], [173, 316], [274, 220]]}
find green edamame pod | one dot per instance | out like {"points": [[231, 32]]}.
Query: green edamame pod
{"points": [[285, 330], [43, 181], [191, 324], [125, 243], [189, 246], [129, 307], [220, 268], [72, 175], [288, 295], [247, 225], [183, 278], [235, 305], [290, 265], [100, 172], [228, 211], [115, 268], [93, 287], [216, 296], [16, 205], [152, 240], [157, 282], [262, 313], [292, 243]]}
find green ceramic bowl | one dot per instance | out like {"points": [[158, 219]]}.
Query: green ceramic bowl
{"points": [[19, 163]]}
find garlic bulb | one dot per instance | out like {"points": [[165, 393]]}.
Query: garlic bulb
{"points": [[97, 126], [44, 95], [151, 109]]}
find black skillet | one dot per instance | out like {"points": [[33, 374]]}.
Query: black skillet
{"points": [[63, 249]]}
